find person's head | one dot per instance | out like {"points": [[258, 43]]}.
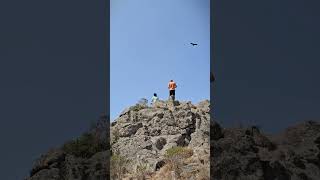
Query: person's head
{"points": [[171, 80], [154, 94]]}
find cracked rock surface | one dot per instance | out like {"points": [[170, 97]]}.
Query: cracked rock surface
{"points": [[144, 134], [249, 154]]}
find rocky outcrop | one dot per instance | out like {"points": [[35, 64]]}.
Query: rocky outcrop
{"points": [[69, 162], [248, 154], [57, 165], [143, 134]]}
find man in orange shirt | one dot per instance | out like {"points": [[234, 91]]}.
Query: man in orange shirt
{"points": [[172, 89]]}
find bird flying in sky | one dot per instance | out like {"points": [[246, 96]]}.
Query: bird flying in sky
{"points": [[193, 44]]}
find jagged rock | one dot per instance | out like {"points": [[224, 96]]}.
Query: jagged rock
{"points": [[160, 143], [48, 174], [59, 164], [161, 104], [128, 129], [143, 135], [74, 168], [51, 159], [165, 125], [248, 154]]}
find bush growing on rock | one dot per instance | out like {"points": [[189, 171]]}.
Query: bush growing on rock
{"points": [[85, 146], [137, 107], [117, 166], [175, 157], [143, 102], [178, 152], [142, 172]]}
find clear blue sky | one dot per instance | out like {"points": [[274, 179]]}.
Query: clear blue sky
{"points": [[150, 44]]}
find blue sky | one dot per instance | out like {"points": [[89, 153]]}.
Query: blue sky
{"points": [[150, 44]]}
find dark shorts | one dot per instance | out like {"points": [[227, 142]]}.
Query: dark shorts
{"points": [[172, 92]]}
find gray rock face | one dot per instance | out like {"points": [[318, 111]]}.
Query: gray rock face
{"points": [[70, 167], [142, 134], [145, 138], [248, 154]]}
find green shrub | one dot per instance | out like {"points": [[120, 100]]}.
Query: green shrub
{"points": [[175, 156], [143, 102], [137, 107], [85, 146], [142, 172], [179, 152], [117, 166]]}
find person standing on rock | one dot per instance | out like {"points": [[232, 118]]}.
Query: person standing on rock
{"points": [[154, 98], [172, 89]]}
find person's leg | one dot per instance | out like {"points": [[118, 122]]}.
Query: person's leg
{"points": [[173, 94], [170, 94]]}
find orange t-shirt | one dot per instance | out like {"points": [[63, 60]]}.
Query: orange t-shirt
{"points": [[172, 85]]}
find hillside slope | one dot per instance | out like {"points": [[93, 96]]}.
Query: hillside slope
{"points": [[85, 157], [171, 140], [246, 153]]}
